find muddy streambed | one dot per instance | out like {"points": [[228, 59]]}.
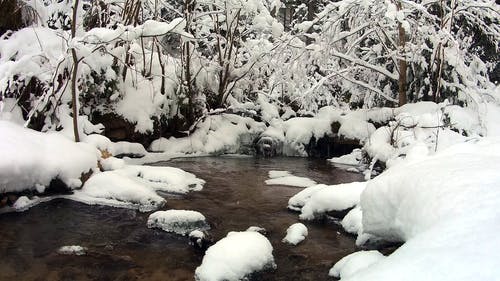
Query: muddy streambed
{"points": [[121, 247]]}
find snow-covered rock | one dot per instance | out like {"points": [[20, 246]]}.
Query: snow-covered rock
{"points": [[354, 262], [114, 189], [132, 186], [72, 250], [217, 134], [235, 257], [178, 221], [258, 229], [353, 158], [166, 179], [30, 159], [332, 198], [295, 234]]}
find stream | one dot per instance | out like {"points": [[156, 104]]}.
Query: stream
{"points": [[121, 247]]}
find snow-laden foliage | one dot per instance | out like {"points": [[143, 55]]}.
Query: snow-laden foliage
{"points": [[164, 65]]}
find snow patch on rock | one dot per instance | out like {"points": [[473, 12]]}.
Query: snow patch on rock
{"points": [[235, 257]]}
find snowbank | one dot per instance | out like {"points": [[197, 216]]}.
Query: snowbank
{"points": [[297, 201], [178, 221], [30, 159], [235, 257], [354, 262], [445, 208], [332, 198], [295, 234]]}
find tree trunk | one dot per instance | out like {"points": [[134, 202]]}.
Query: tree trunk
{"points": [[402, 62], [74, 98]]}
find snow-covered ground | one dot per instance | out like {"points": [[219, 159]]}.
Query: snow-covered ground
{"points": [[31, 160]]}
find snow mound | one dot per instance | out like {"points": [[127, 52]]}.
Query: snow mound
{"points": [[445, 208], [286, 178], [178, 221], [353, 158], [332, 198], [115, 148], [167, 179], [72, 250], [217, 134], [235, 257], [112, 188], [135, 187], [30, 159], [295, 234], [355, 262]]}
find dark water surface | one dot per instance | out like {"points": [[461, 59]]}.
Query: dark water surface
{"points": [[121, 247]]}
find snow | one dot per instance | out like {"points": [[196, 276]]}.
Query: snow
{"points": [[178, 221], [286, 178], [492, 117], [166, 179], [444, 207], [332, 198], [112, 188], [217, 134], [132, 186], [235, 257], [295, 234], [278, 174], [115, 148], [354, 126], [353, 158], [22, 203], [72, 250], [258, 229], [10, 111], [30, 159], [355, 262], [297, 201], [352, 222]]}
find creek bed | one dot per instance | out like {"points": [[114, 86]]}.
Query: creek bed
{"points": [[121, 247]]}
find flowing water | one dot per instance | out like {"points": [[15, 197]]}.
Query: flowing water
{"points": [[121, 247]]}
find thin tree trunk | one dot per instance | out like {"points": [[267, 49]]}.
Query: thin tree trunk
{"points": [[402, 63], [74, 98]]}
